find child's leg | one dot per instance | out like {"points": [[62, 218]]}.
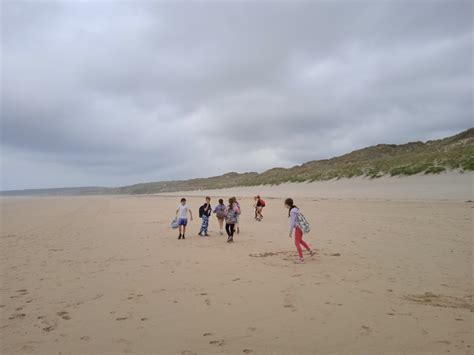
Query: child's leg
{"points": [[228, 229], [201, 231], [302, 242], [184, 230], [298, 240], [205, 224]]}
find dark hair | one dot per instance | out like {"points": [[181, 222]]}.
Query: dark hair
{"points": [[231, 201], [221, 201], [183, 200], [208, 198], [291, 203]]}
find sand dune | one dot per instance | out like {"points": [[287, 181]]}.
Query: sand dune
{"points": [[446, 186], [106, 275]]}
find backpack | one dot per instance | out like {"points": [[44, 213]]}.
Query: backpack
{"points": [[303, 223], [231, 216], [203, 212], [262, 203], [220, 211]]}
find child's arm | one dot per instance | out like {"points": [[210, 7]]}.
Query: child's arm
{"points": [[190, 214], [293, 217], [177, 210]]}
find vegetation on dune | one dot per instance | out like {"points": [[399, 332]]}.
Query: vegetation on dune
{"points": [[432, 157]]}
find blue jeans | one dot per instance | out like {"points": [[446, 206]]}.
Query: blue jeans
{"points": [[204, 225]]}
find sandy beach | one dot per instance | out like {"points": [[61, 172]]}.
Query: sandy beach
{"points": [[106, 274]]}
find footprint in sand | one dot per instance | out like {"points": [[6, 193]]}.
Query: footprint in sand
{"points": [[49, 328], [206, 334], [288, 302], [217, 342], [247, 351], [121, 318], [85, 338], [366, 329], [207, 301], [123, 341], [17, 316], [64, 315], [20, 293], [134, 297]]}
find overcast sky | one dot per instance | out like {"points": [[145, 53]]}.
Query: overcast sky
{"points": [[108, 93]]}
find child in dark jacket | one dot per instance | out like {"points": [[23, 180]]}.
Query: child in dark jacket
{"points": [[204, 212]]}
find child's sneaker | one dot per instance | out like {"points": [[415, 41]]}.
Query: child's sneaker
{"points": [[299, 261], [312, 253]]}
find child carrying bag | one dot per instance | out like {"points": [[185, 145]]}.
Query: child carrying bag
{"points": [[303, 223], [174, 223]]}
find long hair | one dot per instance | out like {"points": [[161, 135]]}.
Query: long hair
{"points": [[291, 203]]}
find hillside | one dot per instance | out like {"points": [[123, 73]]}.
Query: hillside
{"points": [[456, 152], [431, 157]]}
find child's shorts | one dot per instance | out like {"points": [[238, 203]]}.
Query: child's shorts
{"points": [[183, 222]]}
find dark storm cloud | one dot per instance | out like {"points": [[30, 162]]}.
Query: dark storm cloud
{"points": [[102, 93]]}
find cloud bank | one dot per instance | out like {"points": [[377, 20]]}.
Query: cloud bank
{"points": [[102, 93]]}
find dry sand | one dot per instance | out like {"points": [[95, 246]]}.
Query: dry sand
{"points": [[106, 275], [448, 186]]}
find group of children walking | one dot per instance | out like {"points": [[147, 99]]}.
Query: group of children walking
{"points": [[229, 215]]}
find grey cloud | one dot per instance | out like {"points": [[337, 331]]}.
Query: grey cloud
{"points": [[114, 94]]}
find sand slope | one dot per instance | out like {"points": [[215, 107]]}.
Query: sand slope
{"points": [[446, 186], [105, 275]]}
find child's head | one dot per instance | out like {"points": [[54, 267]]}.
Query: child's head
{"points": [[231, 201], [183, 201], [208, 199], [289, 203], [221, 201], [256, 198]]}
